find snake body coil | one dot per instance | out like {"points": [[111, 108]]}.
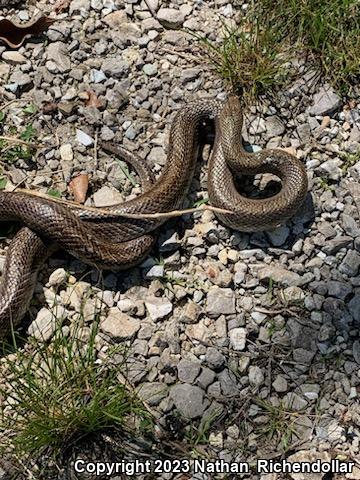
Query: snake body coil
{"points": [[113, 242]]}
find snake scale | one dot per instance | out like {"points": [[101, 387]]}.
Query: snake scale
{"points": [[114, 242]]}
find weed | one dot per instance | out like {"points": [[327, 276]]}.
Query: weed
{"points": [[256, 56], [324, 184], [248, 58], [350, 159], [56, 393], [10, 151], [280, 426], [197, 435]]}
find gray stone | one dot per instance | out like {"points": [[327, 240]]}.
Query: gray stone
{"points": [[188, 371], [303, 356], [97, 76], [228, 383], [350, 225], [351, 263], [293, 295], [205, 378], [279, 275], [356, 351], [58, 53], [335, 244], [220, 301], [331, 168], [46, 322], [354, 308], [157, 155], [170, 17], [157, 271], [278, 236], [326, 101], [115, 67], [274, 126], [13, 57], [214, 358], [150, 69], [294, 402], [189, 400], [81, 7], [280, 384], [152, 392], [256, 376], [338, 289], [304, 133], [58, 277]]}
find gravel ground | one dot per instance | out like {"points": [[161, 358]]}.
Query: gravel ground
{"points": [[255, 336]]}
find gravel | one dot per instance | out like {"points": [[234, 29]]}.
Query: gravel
{"points": [[213, 318]]}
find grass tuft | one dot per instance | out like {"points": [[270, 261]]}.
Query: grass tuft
{"points": [[54, 394], [257, 55]]}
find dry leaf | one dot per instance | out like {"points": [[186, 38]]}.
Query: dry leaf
{"points": [[93, 100], [14, 35], [61, 6], [79, 187]]}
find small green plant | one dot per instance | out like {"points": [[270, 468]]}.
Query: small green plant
{"points": [[28, 134], [350, 159], [324, 184], [202, 201], [281, 424], [54, 193], [197, 435], [30, 109], [57, 392]]}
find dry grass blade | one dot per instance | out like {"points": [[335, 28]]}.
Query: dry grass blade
{"points": [[114, 214]]}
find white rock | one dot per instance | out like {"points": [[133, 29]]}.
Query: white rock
{"points": [[45, 323], [325, 101], [66, 152], [238, 338], [119, 325], [13, 57], [84, 138], [58, 277], [107, 196], [158, 307], [308, 456]]}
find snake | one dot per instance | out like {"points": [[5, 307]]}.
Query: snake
{"points": [[111, 240]]}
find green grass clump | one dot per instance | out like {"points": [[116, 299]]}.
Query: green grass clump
{"points": [[54, 394], [255, 56]]}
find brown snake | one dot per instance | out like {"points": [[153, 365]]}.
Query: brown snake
{"points": [[114, 242]]}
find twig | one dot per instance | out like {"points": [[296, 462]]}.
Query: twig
{"points": [[171, 214], [21, 142], [186, 56], [276, 311], [96, 148]]}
